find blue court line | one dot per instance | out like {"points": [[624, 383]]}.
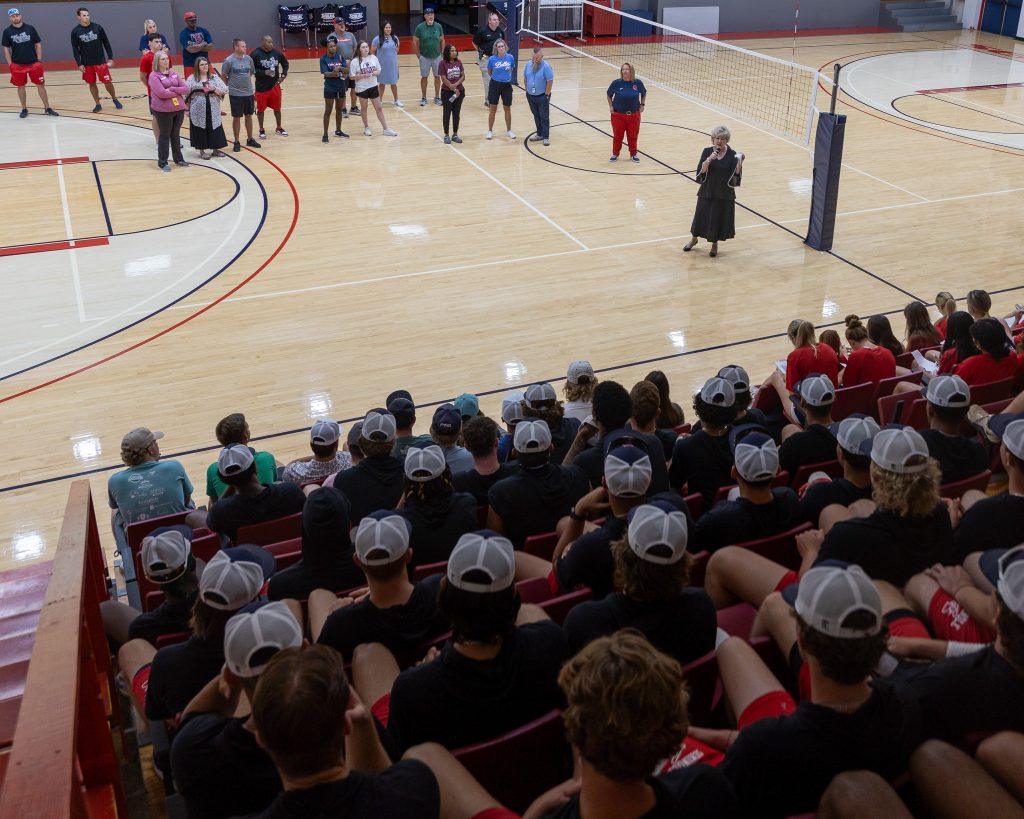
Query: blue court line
{"points": [[103, 200]]}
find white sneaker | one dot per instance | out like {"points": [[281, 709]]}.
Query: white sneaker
{"points": [[399, 104], [488, 135], [367, 132], [511, 134], [536, 138], [389, 132]]}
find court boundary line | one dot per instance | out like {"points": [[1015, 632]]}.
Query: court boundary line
{"points": [[939, 97], [48, 247], [103, 199], [69, 230]]}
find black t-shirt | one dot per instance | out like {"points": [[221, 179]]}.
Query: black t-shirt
{"points": [[813, 445], [959, 457], [220, 769], [695, 792], [22, 43], [272, 60], [479, 485], [407, 789], [171, 616], [277, 500], [781, 766], [438, 525], [702, 463], [962, 695], [532, 501], [683, 627], [824, 493], [562, 437], [398, 628], [751, 416], [591, 460], [299, 579], [741, 520], [372, 484], [179, 672], [457, 701], [485, 38], [891, 548], [991, 523], [668, 440], [89, 45]]}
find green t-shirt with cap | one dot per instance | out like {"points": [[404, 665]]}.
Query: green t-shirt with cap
{"points": [[430, 39], [266, 471]]}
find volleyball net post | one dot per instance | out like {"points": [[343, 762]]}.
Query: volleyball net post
{"points": [[828, 162]]}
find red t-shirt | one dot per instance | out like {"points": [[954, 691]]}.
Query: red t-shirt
{"points": [[146, 66], [869, 364], [940, 327], [948, 361], [804, 361], [983, 368]]}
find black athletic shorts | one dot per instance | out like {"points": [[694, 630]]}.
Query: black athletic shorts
{"points": [[499, 90], [240, 106], [334, 95], [369, 93]]}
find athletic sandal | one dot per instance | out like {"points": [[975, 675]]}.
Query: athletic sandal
{"points": [[97, 108], [117, 104], [281, 132]]}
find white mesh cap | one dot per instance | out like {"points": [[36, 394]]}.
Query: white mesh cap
{"points": [[1009, 426], [897, 449], [228, 585], [854, 430], [165, 556], [736, 376], [658, 533], [325, 433], [423, 464], [718, 392], [817, 390], [1011, 580], [532, 436], [251, 639], [234, 459], [829, 594], [948, 391], [627, 472], [482, 562], [379, 426], [512, 408], [381, 531], [580, 372], [536, 393], [756, 457]]}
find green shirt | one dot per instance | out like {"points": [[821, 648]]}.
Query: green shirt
{"points": [[403, 443], [430, 39], [266, 471]]}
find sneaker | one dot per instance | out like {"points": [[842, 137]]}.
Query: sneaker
{"points": [[237, 147], [457, 139], [183, 163], [281, 132], [117, 104], [447, 140], [536, 138], [613, 158], [97, 108], [24, 113], [165, 168], [399, 104], [489, 135], [389, 132], [344, 113], [324, 139], [511, 134], [423, 101], [547, 141], [252, 143], [437, 100], [634, 158], [977, 417], [341, 134], [51, 113], [262, 134], [367, 132]]}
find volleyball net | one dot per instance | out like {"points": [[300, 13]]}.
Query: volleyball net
{"points": [[774, 94]]}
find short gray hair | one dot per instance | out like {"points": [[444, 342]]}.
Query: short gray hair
{"points": [[537, 49], [720, 131]]}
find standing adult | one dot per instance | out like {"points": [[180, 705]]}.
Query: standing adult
{"points": [[271, 71], [718, 172], [195, 40], [149, 27], [627, 97], [167, 99], [205, 92], [501, 67], [89, 44], [538, 77], [428, 43], [23, 50], [365, 69], [156, 45], [385, 48], [453, 77], [484, 40], [334, 70], [347, 44], [239, 69]]}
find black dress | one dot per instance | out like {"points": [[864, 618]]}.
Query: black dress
{"points": [[715, 218]]}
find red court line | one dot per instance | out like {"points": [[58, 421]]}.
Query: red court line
{"points": [[45, 247], [38, 163], [971, 88]]}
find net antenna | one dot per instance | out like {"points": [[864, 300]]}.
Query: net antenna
{"points": [[775, 95]]}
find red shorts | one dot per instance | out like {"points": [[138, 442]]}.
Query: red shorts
{"points": [[692, 752], [908, 627], [96, 73], [772, 704], [553, 584], [788, 579], [496, 813], [381, 709], [140, 685], [21, 74], [951, 622], [269, 99]]}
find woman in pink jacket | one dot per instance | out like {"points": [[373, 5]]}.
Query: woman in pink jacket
{"points": [[167, 92]]}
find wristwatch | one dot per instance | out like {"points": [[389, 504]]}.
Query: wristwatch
{"points": [[576, 517]]}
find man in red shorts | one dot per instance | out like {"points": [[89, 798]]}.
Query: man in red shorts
{"points": [[23, 49], [271, 72], [94, 56]]}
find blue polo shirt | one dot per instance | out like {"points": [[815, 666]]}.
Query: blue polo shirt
{"points": [[536, 82], [625, 96], [187, 38], [335, 63], [501, 68]]}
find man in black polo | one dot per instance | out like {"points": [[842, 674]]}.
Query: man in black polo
{"points": [[484, 40]]}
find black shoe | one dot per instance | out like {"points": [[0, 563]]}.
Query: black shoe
{"points": [[24, 113], [324, 139], [237, 147], [117, 104], [341, 134], [252, 143], [689, 246], [97, 108], [181, 164], [51, 113]]}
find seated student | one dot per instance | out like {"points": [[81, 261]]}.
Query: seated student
{"points": [[511, 414], [491, 677], [702, 461], [580, 381], [807, 358], [234, 429], [249, 501], [814, 443], [652, 574], [626, 712], [326, 550], [855, 484], [541, 493], [745, 414], [324, 437], [645, 397], [540, 401], [399, 404], [468, 406], [995, 361], [959, 457], [760, 510], [376, 482], [481, 437], [352, 445], [219, 767], [445, 431], [868, 363], [439, 516], [396, 613]]}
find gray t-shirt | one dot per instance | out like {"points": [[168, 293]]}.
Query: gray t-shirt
{"points": [[239, 72], [346, 43]]}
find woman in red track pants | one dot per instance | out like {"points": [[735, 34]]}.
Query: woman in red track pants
{"points": [[626, 97]]}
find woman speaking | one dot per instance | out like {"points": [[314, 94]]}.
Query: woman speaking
{"points": [[718, 173]]}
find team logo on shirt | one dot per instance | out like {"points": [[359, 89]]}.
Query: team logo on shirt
{"points": [[24, 37], [88, 36], [269, 63], [635, 88]]}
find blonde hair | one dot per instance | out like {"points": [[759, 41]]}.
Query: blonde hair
{"points": [[579, 392], [632, 71], [913, 495], [801, 333], [946, 303], [147, 24]]}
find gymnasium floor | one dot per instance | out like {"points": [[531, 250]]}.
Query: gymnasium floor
{"points": [[308, 280]]}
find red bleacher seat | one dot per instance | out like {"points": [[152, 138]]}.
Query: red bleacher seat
{"points": [[682, 429], [831, 468], [767, 400], [172, 639], [542, 546], [705, 689], [767, 649], [427, 569], [737, 620], [695, 503], [698, 568], [558, 607], [906, 360], [271, 531], [991, 391], [853, 399], [912, 412], [137, 531], [887, 385], [780, 548], [958, 488], [534, 590]]}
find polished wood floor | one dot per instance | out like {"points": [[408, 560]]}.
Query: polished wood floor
{"points": [[386, 263]]}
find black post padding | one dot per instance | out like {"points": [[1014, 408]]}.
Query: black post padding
{"points": [[828, 160], [512, 36]]}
